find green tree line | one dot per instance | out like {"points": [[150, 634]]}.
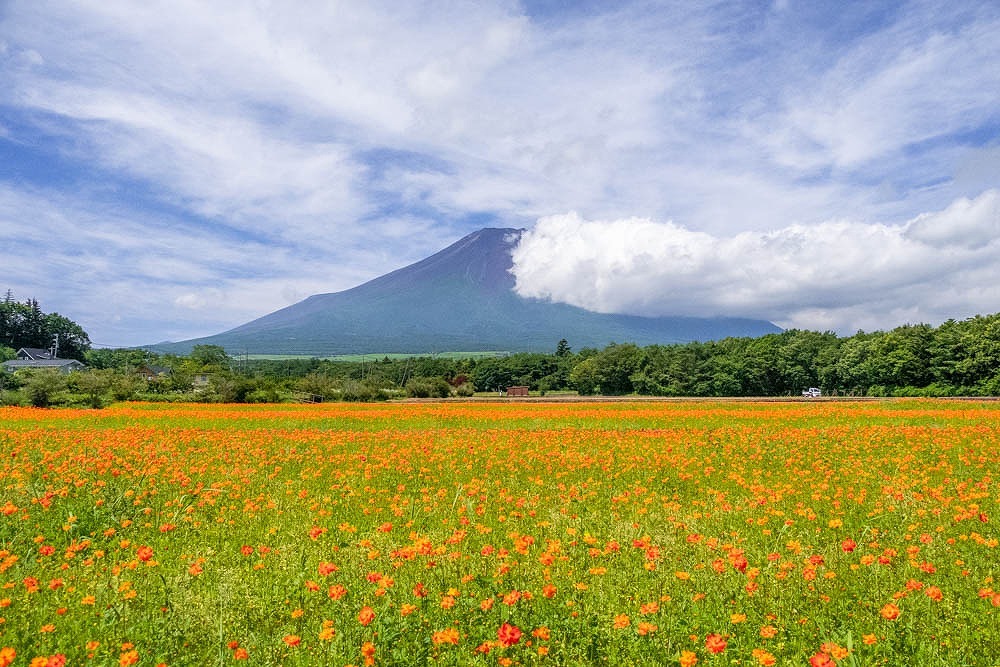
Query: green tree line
{"points": [[955, 358]]}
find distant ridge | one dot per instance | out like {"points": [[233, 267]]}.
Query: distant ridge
{"points": [[461, 298]]}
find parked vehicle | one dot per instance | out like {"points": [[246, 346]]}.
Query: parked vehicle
{"points": [[812, 392]]}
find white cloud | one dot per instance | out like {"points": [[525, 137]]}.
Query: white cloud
{"points": [[897, 88], [836, 274], [132, 278]]}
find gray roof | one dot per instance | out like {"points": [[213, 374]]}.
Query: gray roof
{"points": [[35, 353], [41, 363]]}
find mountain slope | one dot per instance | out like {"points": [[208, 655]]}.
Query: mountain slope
{"points": [[459, 299]]}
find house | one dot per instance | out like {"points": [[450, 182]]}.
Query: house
{"points": [[62, 365], [34, 354], [517, 391], [152, 372]]}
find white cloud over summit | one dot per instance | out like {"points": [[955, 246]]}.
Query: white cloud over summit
{"points": [[839, 275]]}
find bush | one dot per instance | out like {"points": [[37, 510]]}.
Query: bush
{"points": [[42, 387], [361, 392], [425, 387], [465, 390]]}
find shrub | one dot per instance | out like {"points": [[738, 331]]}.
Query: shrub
{"points": [[425, 387]]}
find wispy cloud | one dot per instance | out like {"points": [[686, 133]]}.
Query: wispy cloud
{"points": [[295, 149]]}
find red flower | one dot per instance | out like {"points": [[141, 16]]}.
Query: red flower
{"points": [[821, 660], [509, 634], [715, 643], [144, 553]]}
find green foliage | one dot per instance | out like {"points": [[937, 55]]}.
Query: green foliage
{"points": [[43, 386], [92, 384], [25, 325], [209, 357], [428, 387]]}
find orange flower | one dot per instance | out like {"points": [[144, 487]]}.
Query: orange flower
{"points": [[128, 658], [368, 652], [645, 628], [336, 592], [688, 659], [447, 636], [768, 631], [621, 622], [541, 633], [240, 654], [649, 608], [764, 658], [890, 612], [366, 615], [292, 640], [144, 553], [934, 593], [7, 655]]}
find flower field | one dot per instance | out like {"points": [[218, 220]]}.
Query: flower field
{"points": [[708, 533]]}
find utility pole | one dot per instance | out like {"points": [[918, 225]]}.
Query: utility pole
{"points": [[55, 347]]}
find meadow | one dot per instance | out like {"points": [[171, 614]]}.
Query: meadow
{"points": [[709, 533]]}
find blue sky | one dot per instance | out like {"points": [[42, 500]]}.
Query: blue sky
{"points": [[170, 170]]}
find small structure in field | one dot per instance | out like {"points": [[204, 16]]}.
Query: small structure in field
{"points": [[518, 390]]}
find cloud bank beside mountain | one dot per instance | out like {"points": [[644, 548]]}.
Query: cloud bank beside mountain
{"points": [[838, 275]]}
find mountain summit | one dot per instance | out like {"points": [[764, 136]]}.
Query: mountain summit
{"points": [[459, 299]]}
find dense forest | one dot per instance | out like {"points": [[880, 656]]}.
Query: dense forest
{"points": [[955, 358]]}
